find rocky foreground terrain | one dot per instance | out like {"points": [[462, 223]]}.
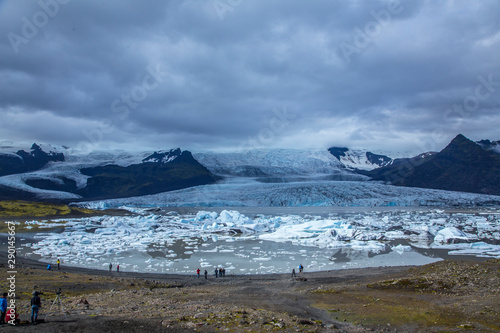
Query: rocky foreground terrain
{"points": [[449, 296]]}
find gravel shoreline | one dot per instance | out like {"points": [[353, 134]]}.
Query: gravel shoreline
{"points": [[155, 281], [451, 296]]}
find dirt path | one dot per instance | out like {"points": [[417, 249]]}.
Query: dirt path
{"points": [[276, 293], [447, 296]]}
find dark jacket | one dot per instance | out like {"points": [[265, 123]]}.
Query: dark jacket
{"points": [[35, 300]]}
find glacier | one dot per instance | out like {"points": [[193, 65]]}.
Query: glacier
{"points": [[250, 192], [272, 163], [288, 177], [258, 178]]}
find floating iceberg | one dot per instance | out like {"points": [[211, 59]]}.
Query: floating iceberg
{"points": [[345, 236], [451, 235]]}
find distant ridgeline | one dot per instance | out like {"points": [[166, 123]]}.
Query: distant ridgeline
{"points": [[23, 161], [359, 160], [159, 172], [45, 174], [463, 165]]}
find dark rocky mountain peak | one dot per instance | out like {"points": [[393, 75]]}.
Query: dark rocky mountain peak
{"points": [[490, 145], [380, 160], [460, 141], [33, 160], [37, 158], [338, 151], [359, 159], [463, 165], [164, 156], [34, 146], [159, 172]]}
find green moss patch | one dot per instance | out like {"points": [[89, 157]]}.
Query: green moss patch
{"points": [[35, 209], [21, 211]]}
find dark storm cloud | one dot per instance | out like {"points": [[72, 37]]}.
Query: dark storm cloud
{"points": [[219, 74]]}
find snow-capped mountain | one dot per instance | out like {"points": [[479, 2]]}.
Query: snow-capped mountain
{"points": [[74, 175], [19, 161], [163, 156], [359, 159], [307, 176]]}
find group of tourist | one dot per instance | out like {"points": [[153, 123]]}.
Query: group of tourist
{"points": [[9, 315], [58, 262], [111, 267], [301, 269], [219, 272]]}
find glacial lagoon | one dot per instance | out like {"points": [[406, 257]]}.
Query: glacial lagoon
{"points": [[252, 240]]}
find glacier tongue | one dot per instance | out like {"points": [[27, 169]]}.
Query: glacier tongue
{"points": [[249, 192]]}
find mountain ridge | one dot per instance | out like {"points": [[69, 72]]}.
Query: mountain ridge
{"points": [[80, 180], [463, 165], [23, 161], [359, 159]]}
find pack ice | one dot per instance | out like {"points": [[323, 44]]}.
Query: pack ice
{"points": [[173, 242]]}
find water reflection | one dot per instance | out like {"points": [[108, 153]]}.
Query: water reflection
{"points": [[173, 243]]}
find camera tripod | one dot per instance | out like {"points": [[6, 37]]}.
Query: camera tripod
{"points": [[56, 300]]}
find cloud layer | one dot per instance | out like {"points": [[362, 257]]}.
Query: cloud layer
{"points": [[228, 74]]}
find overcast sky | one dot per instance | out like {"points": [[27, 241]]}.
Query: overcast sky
{"points": [[229, 74]]}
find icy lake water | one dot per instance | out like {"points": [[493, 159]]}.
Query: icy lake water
{"points": [[268, 240]]}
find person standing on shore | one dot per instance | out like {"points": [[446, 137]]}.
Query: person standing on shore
{"points": [[3, 308], [118, 267], [36, 304], [216, 272], [198, 273], [12, 316], [206, 274], [110, 266], [293, 273], [58, 263], [301, 268]]}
